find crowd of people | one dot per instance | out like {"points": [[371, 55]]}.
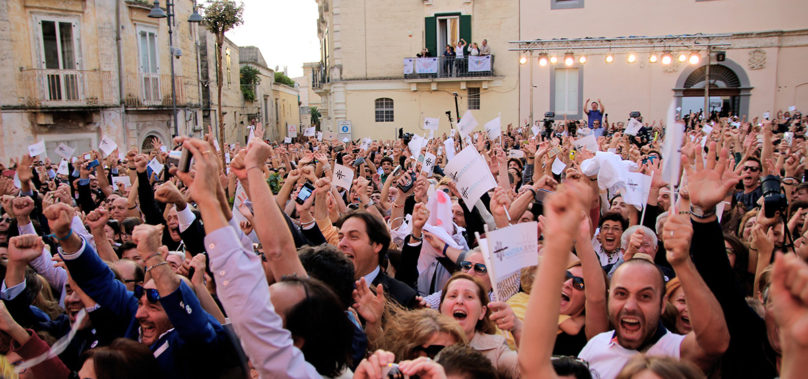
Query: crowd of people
{"points": [[252, 261]]}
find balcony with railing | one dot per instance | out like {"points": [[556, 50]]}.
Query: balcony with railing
{"points": [[65, 88], [476, 67], [319, 77], [152, 90]]}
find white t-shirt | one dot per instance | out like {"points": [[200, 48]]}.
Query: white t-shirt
{"points": [[459, 51], [607, 357]]}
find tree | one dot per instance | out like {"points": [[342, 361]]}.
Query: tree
{"points": [[315, 117], [249, 79], [221, 16]]}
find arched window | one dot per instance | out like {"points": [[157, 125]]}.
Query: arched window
{"points": [[384, 109]]}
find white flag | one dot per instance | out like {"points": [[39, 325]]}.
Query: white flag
{"points": [[415, 145], [589, 142], [493, 128], [429, 163], [36, 149], [107, 146], [558, 166], [63, 170], [470, 172], [156, 166], [450, 148], [116, 180], [65, 151], [319, 136], [511, 249], [309, 132], [633, 127], [467, 123], [342, 176], [431, 123], [637, 188], [671, 149]]}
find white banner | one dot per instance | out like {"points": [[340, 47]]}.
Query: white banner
{"points": [[478, 63], [63, 170], [409, 64], [671, 148], [342, 176], [107, 146], [470, 172], [589, 142], [415, 145], [309, 132], [122, 180], [450, 149], [291, 130], [633, 127], [426, 65], [156, 166]]}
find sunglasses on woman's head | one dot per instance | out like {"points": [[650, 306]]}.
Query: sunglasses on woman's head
{"points": [[577, 281], [478, 267], [151, 293]]}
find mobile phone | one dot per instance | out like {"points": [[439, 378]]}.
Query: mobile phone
{"points": [[92, 164], [337, 149], [358, 161], [392, 371], [392, 174], [184, 164], [406, 188], [305, 192]]}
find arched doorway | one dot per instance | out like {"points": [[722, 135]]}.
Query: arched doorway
{"points": [[147, 144], [729, 89]]}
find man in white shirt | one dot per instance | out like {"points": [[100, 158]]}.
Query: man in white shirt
{"points": [[636, 301]]}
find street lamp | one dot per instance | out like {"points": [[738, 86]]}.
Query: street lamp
{"points": [[157, 12]]}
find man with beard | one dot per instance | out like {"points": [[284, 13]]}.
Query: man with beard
{"points": [[164, 314], [752, 191], [612, 225], [636, 301]]}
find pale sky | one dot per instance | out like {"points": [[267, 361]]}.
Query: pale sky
{"points": [[284, 30]]}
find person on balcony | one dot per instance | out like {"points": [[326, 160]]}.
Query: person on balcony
{"points": [[460, 50], [484, 48], [448, 59]]}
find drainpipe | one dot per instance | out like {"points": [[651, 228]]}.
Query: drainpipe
{"points": [[120, 72]]}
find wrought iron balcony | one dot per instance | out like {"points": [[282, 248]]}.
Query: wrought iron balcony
{"points": [[65, 88], [470, 67]]}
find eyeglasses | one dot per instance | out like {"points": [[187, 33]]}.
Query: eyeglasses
{"points": [[431, 351], [577, 281], [750, 168], [5, 219], [151, 294], [478, 267]]}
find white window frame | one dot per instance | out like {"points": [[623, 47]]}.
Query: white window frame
{"points": [[55, 85], [442, 48], [143, 73], [564, 108], [384, 110]]}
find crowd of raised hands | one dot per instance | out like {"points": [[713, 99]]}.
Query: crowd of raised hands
{"points": [[368, 258]]}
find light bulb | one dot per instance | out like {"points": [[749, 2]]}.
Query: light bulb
{"points": [[682, 57], [653, 58], [582, 59], [522, 59], [694, 58], [553, 59], [543, 59], [666, 58], [632, 58], [609, 58]]}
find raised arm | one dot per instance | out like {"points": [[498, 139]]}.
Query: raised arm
{"points": [[597, 318], [564, 211]]}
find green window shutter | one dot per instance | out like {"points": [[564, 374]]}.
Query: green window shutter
{"points": [[431, 36], [465, 30]]}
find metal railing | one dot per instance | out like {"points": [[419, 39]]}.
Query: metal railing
{"points": [[48, 87], [319, 76], [449, 67], [144, 90]]}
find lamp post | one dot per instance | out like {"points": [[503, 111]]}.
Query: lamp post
{"points": [[157, 12]]}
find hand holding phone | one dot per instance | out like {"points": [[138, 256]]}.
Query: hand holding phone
{"points": [[305, 192]]}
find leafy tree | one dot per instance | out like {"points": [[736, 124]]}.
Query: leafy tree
{"points": [[315, 116], [221, 16], [249, 79], [283, 79]]}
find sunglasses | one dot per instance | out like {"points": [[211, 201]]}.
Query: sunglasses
{"points": [[5, 219], [577, 281], [431, 351], [478, 267], [151, 293], [750, 168]]}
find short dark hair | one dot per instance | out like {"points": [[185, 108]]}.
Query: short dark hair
{"points": [[125, 246], [320, 321], [613, 216], [753, 159], [327, 264], [376, 230], [566, 366], [129, 224], [386, 159], [465, 361], [123, 358]]}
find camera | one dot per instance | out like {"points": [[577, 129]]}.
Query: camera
{"points": [[549, 119], [635, 114], [774, 198]]}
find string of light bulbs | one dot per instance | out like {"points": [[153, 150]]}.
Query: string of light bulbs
{"points": [[569, 58]]}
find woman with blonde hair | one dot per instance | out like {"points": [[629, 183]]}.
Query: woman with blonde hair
{"points": [[420, 333]]}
